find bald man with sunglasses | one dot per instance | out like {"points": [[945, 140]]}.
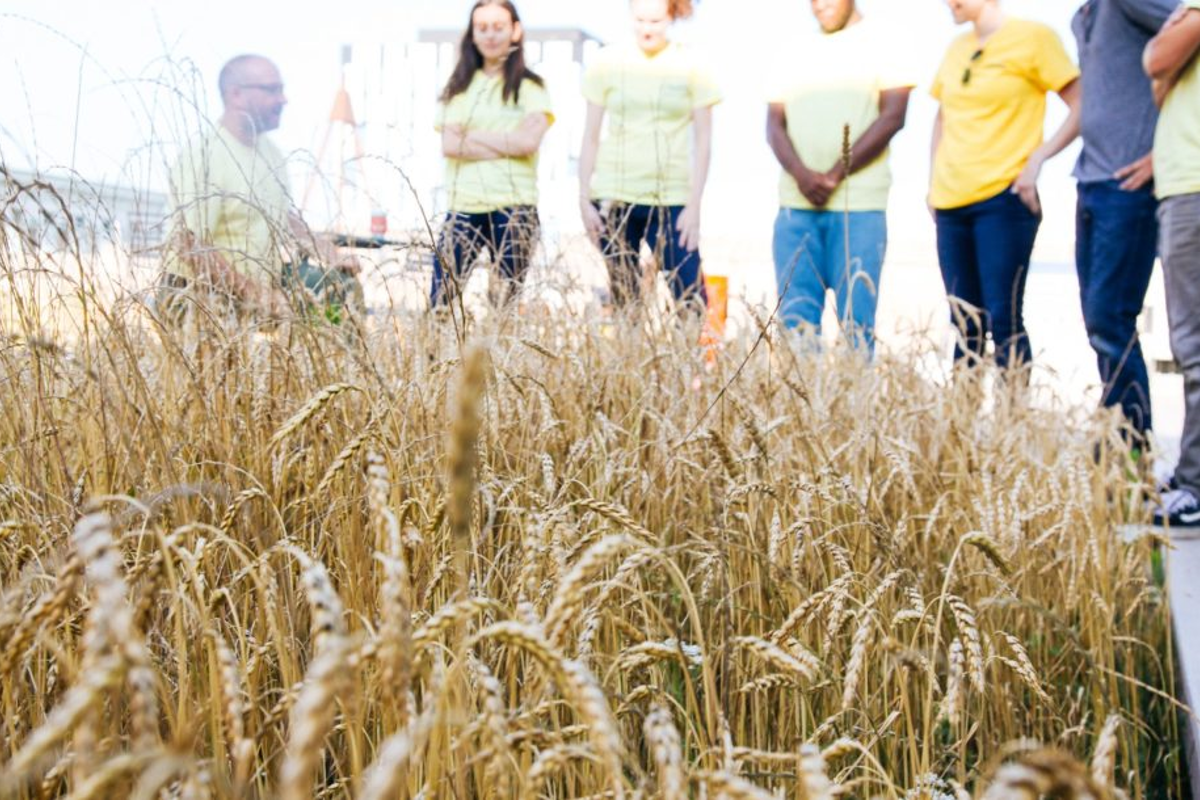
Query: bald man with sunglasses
{"points": [[234, 220]]}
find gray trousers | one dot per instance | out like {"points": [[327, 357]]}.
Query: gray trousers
{"points": [[1179, 245]]}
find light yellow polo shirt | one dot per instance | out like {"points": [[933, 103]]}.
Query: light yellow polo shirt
{"points": [[477, 187], [646, 152], [830, 82], [235, 199], [1177, 139], [994, 122]]}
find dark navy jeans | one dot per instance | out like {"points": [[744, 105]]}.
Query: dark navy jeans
{"points": [[984, 250], [509, 234], [626, 227], [1115, 246]]}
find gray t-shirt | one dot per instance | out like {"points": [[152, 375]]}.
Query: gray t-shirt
{"points": [[1118, 108]]}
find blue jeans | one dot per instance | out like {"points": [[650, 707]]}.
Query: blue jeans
{"points": [[510, 234], [626, 226], [811, 258], [1116, 242], [985, 250]]}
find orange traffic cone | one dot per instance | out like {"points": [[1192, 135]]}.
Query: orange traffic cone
{"points": [[717, 288]]}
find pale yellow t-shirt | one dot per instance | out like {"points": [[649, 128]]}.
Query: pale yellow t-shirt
{"points": [[235, 199], [833, 81], [646, 151], [477, 187], [993, 123], [1177, 139]]}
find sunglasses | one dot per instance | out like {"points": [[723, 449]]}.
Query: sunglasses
{"points": [[269, 88], [978, 54]]}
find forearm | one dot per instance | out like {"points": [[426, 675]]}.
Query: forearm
{"points": [[1062, 138], [874, 142], [935, 143], [587, 168], [701, 163], [782, 147], [1069, 130], [322, 247], [518, 144], [209, 266], [466, 147], [1174, 48], [786, 155]]}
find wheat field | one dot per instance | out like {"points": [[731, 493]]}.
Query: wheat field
{"points": [[547, 557]]}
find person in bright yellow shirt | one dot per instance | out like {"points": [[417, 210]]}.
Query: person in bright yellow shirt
{"points": [[988, 152], [831, 230], [493, 116], [643, 179], [1172, 60]]}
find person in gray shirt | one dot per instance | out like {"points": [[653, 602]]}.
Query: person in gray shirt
{"points": [[1116, 224]]}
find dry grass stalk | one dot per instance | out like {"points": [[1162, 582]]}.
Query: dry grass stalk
{"points": [[1044, 773], [952, 701], [448, 616], [45, 614], [81, 700], [239, 502], [988, 546], [395, 648], [858, 658], [310, 410], [386, 776], [462, 459], [568, 600], [1104, 759], [727, 786], [616, 515], [875, 468], [813, 780], [233, 709], [1023, 666], [662, 737], [344, 457], [968, 628], [312, 717], [800, 669], [552, 760]]}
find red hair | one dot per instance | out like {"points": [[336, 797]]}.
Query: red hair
{"points": [[681, 9]]}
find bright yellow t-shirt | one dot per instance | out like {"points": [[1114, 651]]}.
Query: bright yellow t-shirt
{"points": [[477, 187], [646, 152], [1177, 139], [993, 122], [834, 81], [235, 199]]}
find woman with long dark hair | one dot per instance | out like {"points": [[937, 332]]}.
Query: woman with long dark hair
{"points": [[644, 180], [493, 115]]}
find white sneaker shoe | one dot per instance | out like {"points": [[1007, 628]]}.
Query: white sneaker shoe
{"points": [[1179, 509]]}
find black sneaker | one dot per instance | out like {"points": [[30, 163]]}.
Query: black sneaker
{"points": [[1179, 508]]}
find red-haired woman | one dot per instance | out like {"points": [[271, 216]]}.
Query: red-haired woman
{"points": [[493, 115], [644, 179]]}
